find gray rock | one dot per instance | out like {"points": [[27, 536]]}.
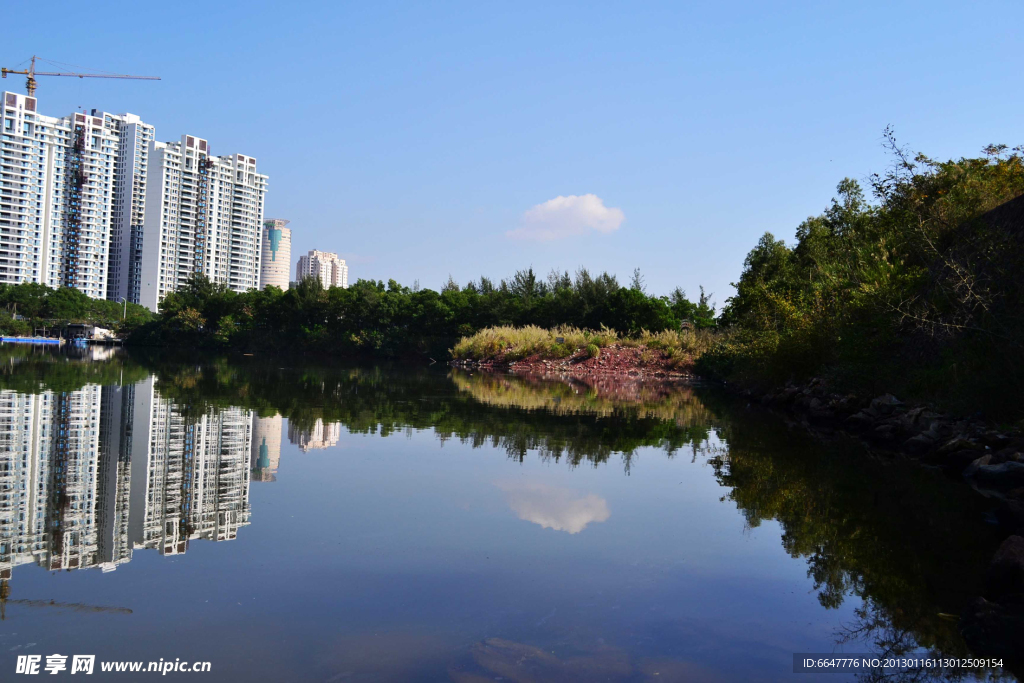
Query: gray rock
{"points": [[959, 444], [861, 419], [993, 629], [1006, 454], [983, 461], [995, 440], [886, 404], [954, 463], [922, 443], [934, 429], [1005, 574], [1004, 476], [884, 433]]}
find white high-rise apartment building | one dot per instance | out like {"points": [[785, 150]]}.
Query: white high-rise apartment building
{"points": [[78, 206], [57, 187], [130, 171], [325, 266], [204, 214], [277, 254]]}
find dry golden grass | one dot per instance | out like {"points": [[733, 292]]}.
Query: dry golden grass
{"points": [[515, 343]]}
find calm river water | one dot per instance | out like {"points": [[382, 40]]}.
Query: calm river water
{"points": [[290, 523]]}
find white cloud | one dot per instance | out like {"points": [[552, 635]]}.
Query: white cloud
{"points": [[567, 216], [554, 508]]}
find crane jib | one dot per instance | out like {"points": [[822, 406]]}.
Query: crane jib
{"points": [[31, 73]]}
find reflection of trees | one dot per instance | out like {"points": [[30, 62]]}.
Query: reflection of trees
{"points": [[875, 627], [375, 400], [662, 401], [31, 370], [911, 544]]}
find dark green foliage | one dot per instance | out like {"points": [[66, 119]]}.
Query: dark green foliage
{"points": [[395, 321], [701, 314], [41, 307], [919, 293], [33, 369]]}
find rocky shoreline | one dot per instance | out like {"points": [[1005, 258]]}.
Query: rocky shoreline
{"points": [[989, 460]]}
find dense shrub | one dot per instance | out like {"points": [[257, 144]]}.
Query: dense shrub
{"points": [[918, 292], [38, 306]]}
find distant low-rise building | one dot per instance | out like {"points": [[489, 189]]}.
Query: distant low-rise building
{"points": [[325, 266]]}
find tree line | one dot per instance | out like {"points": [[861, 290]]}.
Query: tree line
{"points": [[30, 307], [391, 320]]}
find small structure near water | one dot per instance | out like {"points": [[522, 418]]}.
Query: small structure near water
{"points": [[31, 340]]}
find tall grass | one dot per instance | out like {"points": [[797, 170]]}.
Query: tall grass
{"points": [[515, 343]]}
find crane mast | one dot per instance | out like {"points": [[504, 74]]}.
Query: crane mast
{"points": [[30, 76]]}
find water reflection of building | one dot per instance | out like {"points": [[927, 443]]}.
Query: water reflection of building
{"points": [[321, 436], [88, 476], [266, 447], [48, 478]]}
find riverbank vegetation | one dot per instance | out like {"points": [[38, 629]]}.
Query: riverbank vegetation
{"points": [[917, 293], [678, 348], [31, 307], [392, 321]]}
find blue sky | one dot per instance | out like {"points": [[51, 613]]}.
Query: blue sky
{"points": [[413, 138]]}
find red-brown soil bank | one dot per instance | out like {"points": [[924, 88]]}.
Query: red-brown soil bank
{"points": [[614, 361]]}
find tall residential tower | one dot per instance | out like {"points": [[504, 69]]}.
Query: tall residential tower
{"points": [[92, 201], [57, 188], [275, 266], [129, 203], [204, 215]]}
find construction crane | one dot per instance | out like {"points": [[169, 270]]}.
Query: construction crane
{"points": [[5, 594], [31, 73]]}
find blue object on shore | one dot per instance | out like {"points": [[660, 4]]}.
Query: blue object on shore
{"points": [[30, 340]]}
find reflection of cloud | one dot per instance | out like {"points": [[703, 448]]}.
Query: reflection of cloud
{"points": [[554, 508]]}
